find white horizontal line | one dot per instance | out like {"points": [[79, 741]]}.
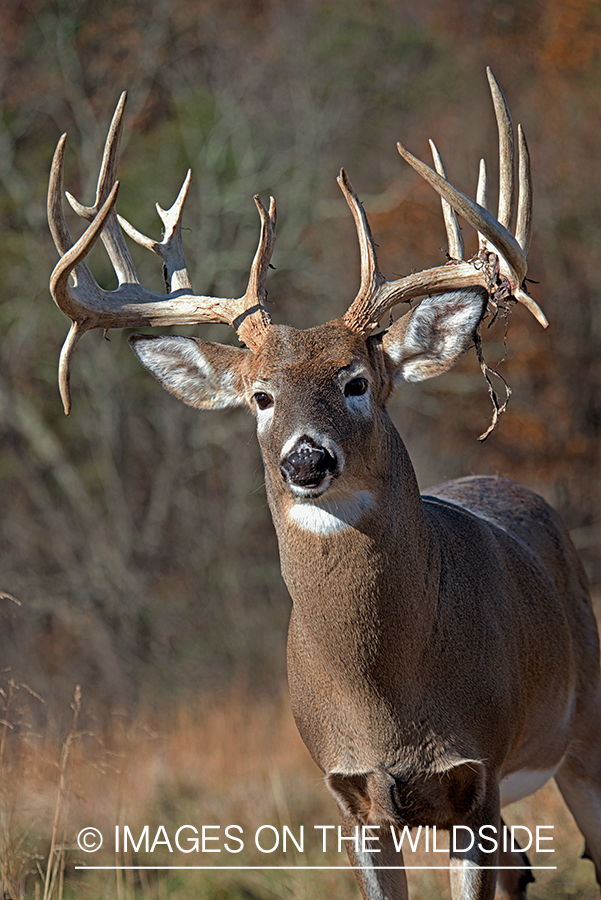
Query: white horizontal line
{"points": [[289, 868]]}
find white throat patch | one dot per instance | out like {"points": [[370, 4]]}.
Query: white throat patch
{"points": [[328, 516]]}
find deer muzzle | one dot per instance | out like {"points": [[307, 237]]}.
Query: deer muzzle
{"points": [[308, 465]]}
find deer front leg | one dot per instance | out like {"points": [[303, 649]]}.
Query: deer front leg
{"points": [[375, 883], [473, 876], [512, 882]]}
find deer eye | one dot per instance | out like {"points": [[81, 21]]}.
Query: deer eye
{"points": [[355, 387], [263, 400]]}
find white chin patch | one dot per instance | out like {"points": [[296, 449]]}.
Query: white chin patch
{"points": [[328, 516]]}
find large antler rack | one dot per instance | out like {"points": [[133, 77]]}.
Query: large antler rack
{"points": [[500, 265], [131, 305]]}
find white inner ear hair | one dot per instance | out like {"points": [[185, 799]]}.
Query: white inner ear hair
{"points": [[443, 325]]}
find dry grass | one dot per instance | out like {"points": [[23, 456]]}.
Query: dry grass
{"points": [[227, 760]]}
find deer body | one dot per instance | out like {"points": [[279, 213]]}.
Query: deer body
{"points": [[429, 697], [443, 656]]}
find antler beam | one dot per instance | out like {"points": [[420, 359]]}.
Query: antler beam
{"points": [[131, 305]]}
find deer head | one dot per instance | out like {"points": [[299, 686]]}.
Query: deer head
{"points": [[499, 266]]}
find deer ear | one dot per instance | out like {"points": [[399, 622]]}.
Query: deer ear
{"points": [[201, 373], [429, 339]]}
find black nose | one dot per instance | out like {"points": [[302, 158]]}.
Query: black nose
{"points": [[307, 464]]}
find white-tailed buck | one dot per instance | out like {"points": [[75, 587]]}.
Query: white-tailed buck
{"points": [[443, 656]]}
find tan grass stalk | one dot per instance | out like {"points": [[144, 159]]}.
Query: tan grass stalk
{"points": [[56, 853]]}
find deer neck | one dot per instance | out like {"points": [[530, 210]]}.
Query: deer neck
{"points": [[381, 567]]}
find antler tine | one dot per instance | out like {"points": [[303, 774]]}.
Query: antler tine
{"points": [[454, 236], [523, 230], [64, 364], [112, 238], [506, 152], [482, 198], [251, 319], [482, 187], [110, 157], [257, 282], [56, 216], [371, 277], [170, 249], [57, 222]]}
